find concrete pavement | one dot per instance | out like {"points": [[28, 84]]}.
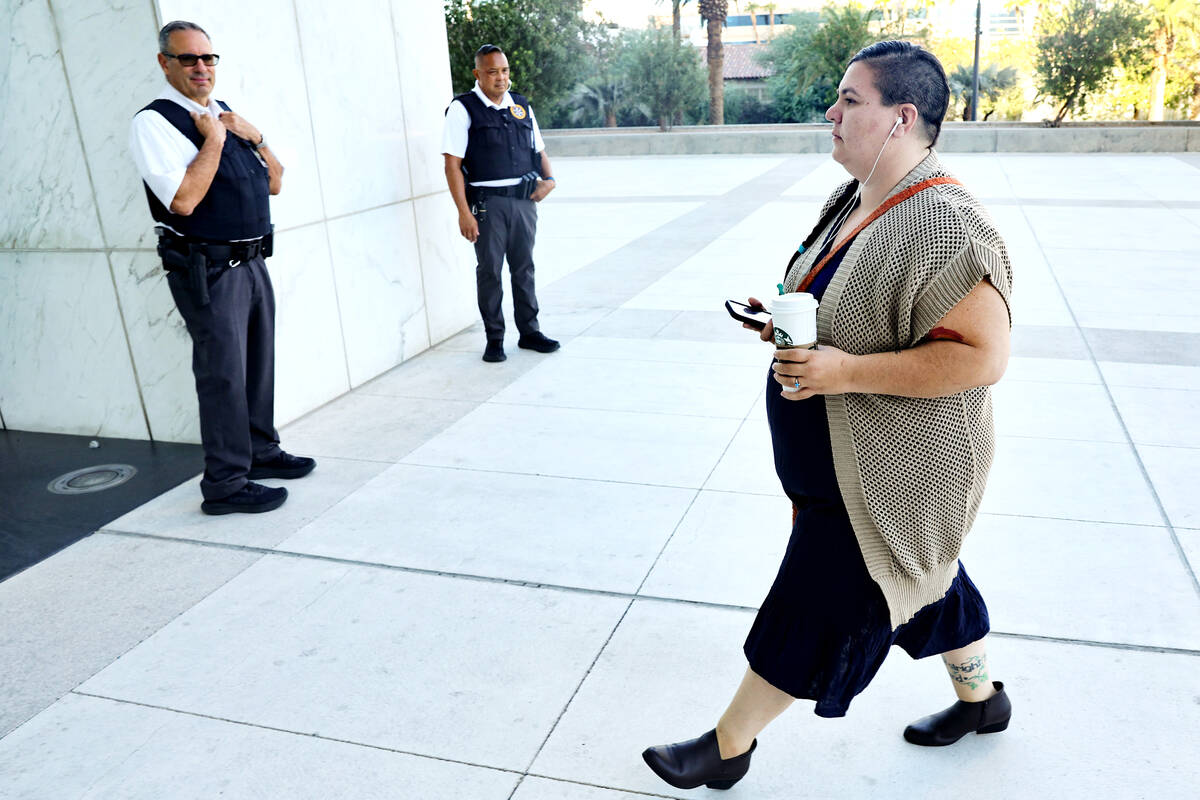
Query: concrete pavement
{"points": [[504, 581]]}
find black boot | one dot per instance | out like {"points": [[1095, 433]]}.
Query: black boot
{"points": [[494, 351], [686, 765], [948, 726]]}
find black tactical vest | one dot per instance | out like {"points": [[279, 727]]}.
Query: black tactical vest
{"points": [[237, 205], [500, 141]]}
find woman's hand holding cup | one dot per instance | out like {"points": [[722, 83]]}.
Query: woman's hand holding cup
{"points": [[803, 373]]}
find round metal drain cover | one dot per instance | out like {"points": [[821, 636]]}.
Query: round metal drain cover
{"points": [[92, 479]]}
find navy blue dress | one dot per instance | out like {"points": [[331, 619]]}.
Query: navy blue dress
{"points": [[824, 628]]}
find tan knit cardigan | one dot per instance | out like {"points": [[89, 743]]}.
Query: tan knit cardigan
{"points": [[911, 470]]}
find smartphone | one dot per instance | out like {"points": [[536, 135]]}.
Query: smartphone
{"points": [[754, 317]]}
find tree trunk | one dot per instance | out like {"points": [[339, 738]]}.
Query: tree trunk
{"points": [[716, 74], [1066, 106], [610, 118], [1195, 100], [675, 18], [754, 21], [1158, 79], [664, 123]]}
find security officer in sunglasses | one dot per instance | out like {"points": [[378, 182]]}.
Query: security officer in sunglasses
{"points": [[497, 169], [208, 174]]}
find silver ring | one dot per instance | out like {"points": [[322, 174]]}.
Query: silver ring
{"points": [[797, 384]]}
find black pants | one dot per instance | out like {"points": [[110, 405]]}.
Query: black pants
{"points": [[506, 229], [233, 359]]}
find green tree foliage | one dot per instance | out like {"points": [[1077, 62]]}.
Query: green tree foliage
{"points": [[669, 75], [546, 42], [809, 61], [994, 82], [1080, 44], [604, 94], [1175, 67]]}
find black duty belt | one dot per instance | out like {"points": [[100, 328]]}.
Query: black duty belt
{"points": [[194, 259], [218, 253], [521, 190]]}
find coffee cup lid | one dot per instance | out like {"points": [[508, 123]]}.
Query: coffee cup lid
{"points": [[793, 301]]}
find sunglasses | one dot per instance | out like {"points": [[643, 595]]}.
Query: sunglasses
{"points": [[190, 59]]}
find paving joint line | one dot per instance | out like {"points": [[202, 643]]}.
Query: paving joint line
{"points": [[534, 584], [353, 743], [1137, 456], [288, 731], [562, 712]]}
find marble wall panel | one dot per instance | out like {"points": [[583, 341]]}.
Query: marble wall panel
{"points": [[447, 267], [349, 52], [110, 82], [64, 363], [161, 346], [262, 77], [378, 275], [310, 356], [43, 177], [425, 83]]}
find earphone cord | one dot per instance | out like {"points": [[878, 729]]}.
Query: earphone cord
{"points": [[844, 215]]}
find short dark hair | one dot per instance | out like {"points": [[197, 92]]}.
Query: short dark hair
{"points": [[486, 50], [178, 25], [908, 73]]}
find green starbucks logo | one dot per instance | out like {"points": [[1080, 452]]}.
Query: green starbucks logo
{"points": [[782, 339]]}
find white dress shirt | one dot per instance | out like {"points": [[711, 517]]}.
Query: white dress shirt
{"points": [[458, 123]]}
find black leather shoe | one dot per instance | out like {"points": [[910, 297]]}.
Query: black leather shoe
{"points": [[537, 341], [686, 765], [253, 498], [948, 726], [283, 465], [494, 351]]}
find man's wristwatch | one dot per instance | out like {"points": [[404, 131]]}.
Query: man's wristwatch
{"points": [[261, 143]]}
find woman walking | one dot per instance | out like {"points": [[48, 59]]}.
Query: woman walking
{"points": [[882, 435]]}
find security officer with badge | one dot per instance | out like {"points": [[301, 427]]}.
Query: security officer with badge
{"points": [[208, 174], [497, 169]]}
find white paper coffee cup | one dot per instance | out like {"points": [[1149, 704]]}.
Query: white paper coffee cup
{"points": [[795, 318]]}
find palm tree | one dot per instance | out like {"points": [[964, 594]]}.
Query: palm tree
{"points": [[993, 81], [1168, 17], [715, 12], [675, 7], [753, 9]]}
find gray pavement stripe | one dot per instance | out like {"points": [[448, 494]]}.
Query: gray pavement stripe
{"points": [[1080, 202], [672, 243], [1167, 348], [597, 592], [1144, 347]]}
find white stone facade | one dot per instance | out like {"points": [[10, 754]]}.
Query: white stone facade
{"points": [[369, 268]]}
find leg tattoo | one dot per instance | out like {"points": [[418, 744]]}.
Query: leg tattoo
{"points": [[971, 673]]}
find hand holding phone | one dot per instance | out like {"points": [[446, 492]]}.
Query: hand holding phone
{"points": [[756, 317]]}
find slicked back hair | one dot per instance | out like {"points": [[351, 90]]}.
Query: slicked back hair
{"points": [[178, 25], [486, 50], [908, 73]]}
